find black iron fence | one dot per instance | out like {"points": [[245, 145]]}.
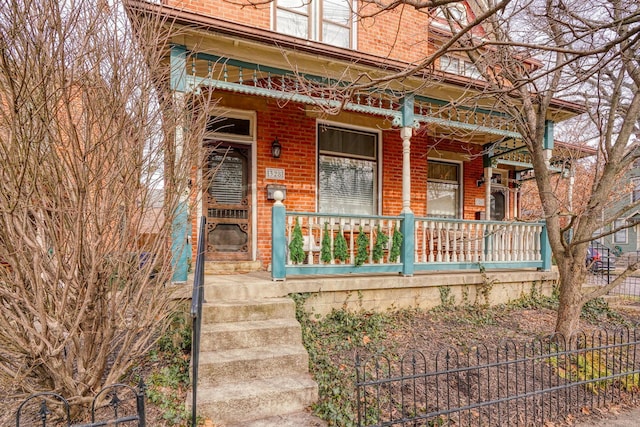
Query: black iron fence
{"points": [[514, 384], [197, 298], [114, 405]]}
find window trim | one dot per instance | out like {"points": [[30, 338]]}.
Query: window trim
{"points": [[235, 114], [616, 224], [460, 213], [635, 191], [316, 21], [462, 67], [378, 159]]}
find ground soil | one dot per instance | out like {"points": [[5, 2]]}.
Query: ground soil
{"points": [[459, 329], [433, 330]]}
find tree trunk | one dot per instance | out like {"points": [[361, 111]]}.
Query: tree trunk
{"points": [[570, 304]]}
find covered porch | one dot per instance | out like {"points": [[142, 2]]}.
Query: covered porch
{"points": [[401, 231]]}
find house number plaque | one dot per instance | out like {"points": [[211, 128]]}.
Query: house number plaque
{"points": [[273, 173]]}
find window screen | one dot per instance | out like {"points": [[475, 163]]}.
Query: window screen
{"points": [[347, 171], [443, 190]]}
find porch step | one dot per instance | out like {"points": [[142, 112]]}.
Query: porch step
{"points": [[241, 403], [256, 333], [248, 310], [241, 287], [252, 362], [231, 267]]}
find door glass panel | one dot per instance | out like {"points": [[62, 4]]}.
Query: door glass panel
{"points": [[227, 184]]}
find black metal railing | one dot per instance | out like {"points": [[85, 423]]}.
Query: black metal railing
{"points": [[117, 404], [604, 265], [197, 298], [517, 384]]}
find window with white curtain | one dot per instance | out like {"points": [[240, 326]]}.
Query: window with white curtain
{"points": [[443, 189], [347, 171], [328, 21]]}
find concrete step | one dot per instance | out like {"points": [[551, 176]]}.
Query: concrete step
{"points": [[236, 403], [298, 419], [231, 267], [247, 364], [227, 311], [255, 333]]}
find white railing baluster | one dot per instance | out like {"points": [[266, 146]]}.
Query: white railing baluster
{"points": [[352, 255], [431, 238], [454, 241], [447, 255], [372, 229], [424, 243]]}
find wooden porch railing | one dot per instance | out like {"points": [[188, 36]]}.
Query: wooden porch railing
{"points": [[426, 244]]}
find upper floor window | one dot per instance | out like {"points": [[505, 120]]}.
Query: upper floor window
{"points": [[328, 21], [459, 66]]}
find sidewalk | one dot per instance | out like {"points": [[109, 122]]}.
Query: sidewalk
{"points": [[629, 418]]}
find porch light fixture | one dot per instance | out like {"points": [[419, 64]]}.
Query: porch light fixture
{"points": [[480, 182], [276, 148]]}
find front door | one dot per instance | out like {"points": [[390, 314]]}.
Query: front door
{"points": [[228, 203]]}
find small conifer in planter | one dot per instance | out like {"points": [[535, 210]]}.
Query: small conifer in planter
{"points": [[362, 250], [396, 241], [381, 243], [296, 246], [340, 251], [325, 251]]}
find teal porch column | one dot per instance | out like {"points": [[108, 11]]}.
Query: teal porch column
{"points": [[278, 238], [180, 243], [408, 243], [545, 248], [181, 230]]}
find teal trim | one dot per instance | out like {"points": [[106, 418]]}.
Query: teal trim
{"points": [[514, 163], [545, 249], [178, 62], [407, 251], [180, 245], [278, 242], [193, 83], [342, 269], [454, 266], [548, 135], [467, 126], [441, 102], [407, 105]]}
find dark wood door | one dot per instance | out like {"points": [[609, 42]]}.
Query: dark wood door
{"points": [[228, 204]]}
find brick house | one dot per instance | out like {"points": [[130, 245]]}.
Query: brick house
{"points": [[407, 155], [391, 191]]}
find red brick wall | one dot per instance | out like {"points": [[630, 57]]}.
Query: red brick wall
{"points": [[399, 34], [258, 16], [296, 131]]}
